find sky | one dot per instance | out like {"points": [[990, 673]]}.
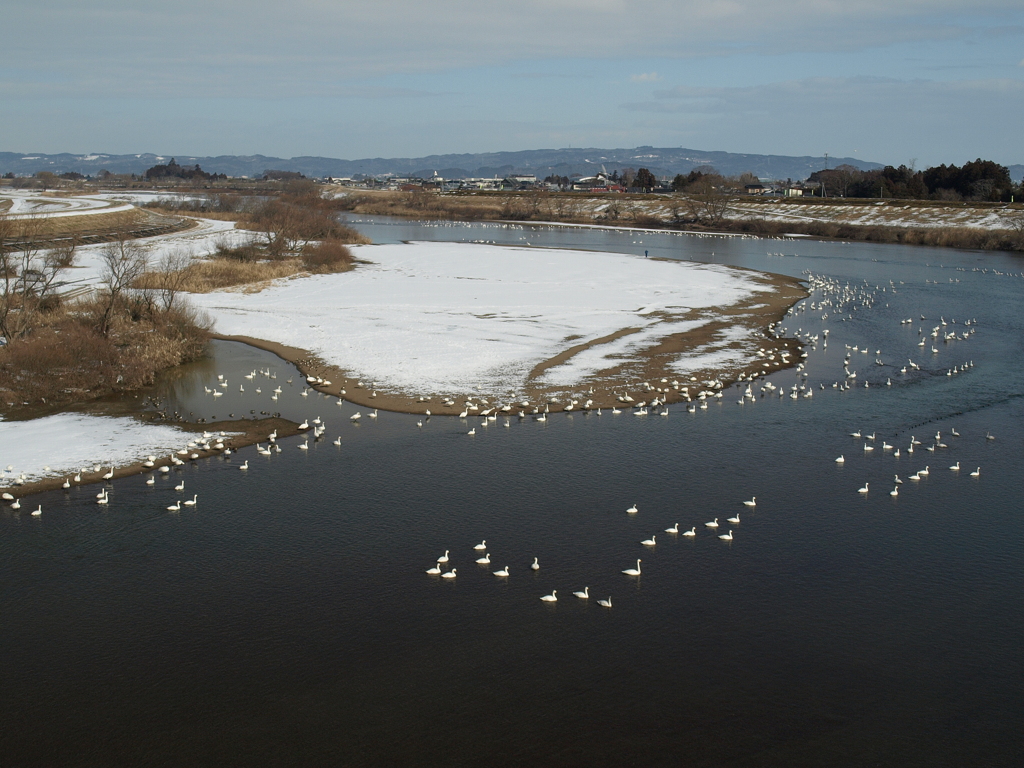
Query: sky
{"points": [[891, 81]]}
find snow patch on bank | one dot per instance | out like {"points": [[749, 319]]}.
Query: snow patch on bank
{"points": [[67, 442], [445, 317]]}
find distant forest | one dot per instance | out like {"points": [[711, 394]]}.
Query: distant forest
{"points": [[980, 180]]}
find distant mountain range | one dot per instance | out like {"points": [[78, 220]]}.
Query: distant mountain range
{"points": [[542, 162]]}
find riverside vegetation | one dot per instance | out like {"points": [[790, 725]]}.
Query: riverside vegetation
{"points": [[63, 344]]}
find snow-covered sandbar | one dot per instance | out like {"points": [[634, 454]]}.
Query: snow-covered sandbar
{"points": [[446, 318]]}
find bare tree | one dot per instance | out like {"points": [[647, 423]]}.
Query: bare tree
{"points": [[1016, 222], [175, 267], [707, 203], [124, 261], [31, 272]]}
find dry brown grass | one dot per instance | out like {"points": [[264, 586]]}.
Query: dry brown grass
{"points": [[66, 359], [218, 273]]}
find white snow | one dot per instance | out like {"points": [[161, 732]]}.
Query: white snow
{"points": [[445, 317], [199, 241], [67, 442]]}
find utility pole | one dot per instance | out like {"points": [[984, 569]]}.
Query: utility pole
{"points": [[826, 161]]}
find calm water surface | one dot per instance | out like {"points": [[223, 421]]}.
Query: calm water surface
{"points": [[287, 619]]}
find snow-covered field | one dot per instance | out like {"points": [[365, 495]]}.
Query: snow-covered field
{"points": [[200, 241], [67, 442], [34, 205], [447, 317]]}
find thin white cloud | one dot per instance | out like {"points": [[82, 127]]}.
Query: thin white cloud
{"points": [[645, 77]]}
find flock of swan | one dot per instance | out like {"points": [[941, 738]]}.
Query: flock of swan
{"points": [[444, 561]]}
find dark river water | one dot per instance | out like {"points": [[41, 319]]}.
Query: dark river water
{"points": [[286, 619]]}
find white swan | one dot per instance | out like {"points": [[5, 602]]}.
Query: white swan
{"points": [[16, 504], [605, 603], [752, 502], [864, 489], [481, 545], [633, 571], [449, 575], [840, 460], [551, 598], [191, 503], [338, 441], [956, 467], [726, 536], [895, 491], [503, 572], [151, 480], [180, 486], [649, 542], [712, 524], [37, 512], [976, 473], [584, 595], [536, 565], [176, 506], [434, 571], [304, 446], [245, 465], [485, 560], [734, 520], [673, 529], [443, 558], [633, 510], [691, 532]]}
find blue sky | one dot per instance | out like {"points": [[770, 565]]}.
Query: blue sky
{"points": [[929, 81]]}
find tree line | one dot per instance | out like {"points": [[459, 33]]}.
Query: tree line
{"points": [[979, 180]]}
